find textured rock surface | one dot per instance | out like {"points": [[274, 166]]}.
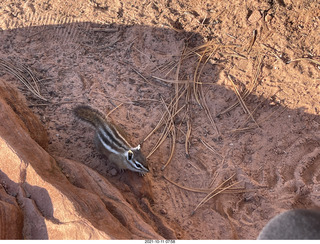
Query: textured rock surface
{"points": [[46, 198], [107, 54]]}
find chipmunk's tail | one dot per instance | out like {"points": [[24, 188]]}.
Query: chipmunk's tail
{"points": [[90, 115]]}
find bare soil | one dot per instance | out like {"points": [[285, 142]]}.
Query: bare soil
{"points": [[108, 53]]}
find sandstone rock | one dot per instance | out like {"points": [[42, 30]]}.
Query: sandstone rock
{"points": [[255, 16], [42, 197]]}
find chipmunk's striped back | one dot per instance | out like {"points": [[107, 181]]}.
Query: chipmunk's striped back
{"points": [[109, 138]]}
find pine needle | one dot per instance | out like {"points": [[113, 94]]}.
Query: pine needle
{"points": [[249, 90], [200, 190], [306, 59], [111, 111], [215, 192], [32, 84], [189, 126], [242, 103], [173, 146], [173, 133], [210, 148], [172, 81]]}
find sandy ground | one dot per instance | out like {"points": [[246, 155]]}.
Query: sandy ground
{"points": [[107, 53]]}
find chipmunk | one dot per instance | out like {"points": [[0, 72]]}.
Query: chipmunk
{"points": [[111, 143]]}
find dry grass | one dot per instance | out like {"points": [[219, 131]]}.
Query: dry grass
{"points": [[226, 186], [241, 101], [188, 90], [251, 87], [216, 191], [191, 90], [24, 75], [306, 59]]}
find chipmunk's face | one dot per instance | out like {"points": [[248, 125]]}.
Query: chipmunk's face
{"points": [[136, 161]]}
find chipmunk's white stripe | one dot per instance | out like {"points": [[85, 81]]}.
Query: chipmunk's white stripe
{"points": [[114, 136], [104, 134], [110, 137], [106, 146], [144, 168]]}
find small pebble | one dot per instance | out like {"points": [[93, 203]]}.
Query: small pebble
{"points": [[255, 16], [163, 211], [113, 172]]}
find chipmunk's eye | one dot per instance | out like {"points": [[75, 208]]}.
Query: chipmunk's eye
{"points": [[130, 155]]}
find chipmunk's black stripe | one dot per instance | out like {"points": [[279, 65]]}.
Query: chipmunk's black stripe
{"points": [[108, 133], [119, 138], [110, 136], [106, 144]]}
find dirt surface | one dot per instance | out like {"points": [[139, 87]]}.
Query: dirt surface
{"points": [[108, 53]]}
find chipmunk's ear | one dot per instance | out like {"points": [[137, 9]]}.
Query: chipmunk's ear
{"points": [[137, 147]]}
